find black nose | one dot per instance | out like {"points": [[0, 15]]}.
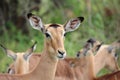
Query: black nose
{"points": [[61, 52]]}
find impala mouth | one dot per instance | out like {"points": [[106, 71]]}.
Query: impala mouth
{"points": [[61, 56]]}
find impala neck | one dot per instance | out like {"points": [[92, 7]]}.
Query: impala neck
{"points": [[99, 63], [46, 67], [88, 71]]}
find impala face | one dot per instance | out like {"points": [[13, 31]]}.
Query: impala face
{"points": [[54, 34], [82, 55], [95, 44]]}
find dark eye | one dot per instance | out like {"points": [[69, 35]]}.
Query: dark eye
{"points": [[78, 54], [47, 35], [65, 34], [116, 55]]}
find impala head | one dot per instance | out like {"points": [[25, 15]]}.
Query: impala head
{"points": [[80, 59], [54, 33], [111, 59], [84, 51], [21, 59], [95, 44]]}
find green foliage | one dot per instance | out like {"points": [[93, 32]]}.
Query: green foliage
{"points": [[103, 72]]}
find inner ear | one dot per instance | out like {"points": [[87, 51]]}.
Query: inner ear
{"points": [[26, 56], [9, 53], [35, 22], [29, 52], [73, 24], [98, 46], [88, 46]]}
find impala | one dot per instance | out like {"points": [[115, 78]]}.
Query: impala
{"points": [[105, 56], [84, 63], [21, 59], [53, 49], [63, 69]]}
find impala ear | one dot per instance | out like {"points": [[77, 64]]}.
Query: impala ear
{"points": [[73, 24], [9, 52], [87, 47], [29, 52], [98, 46], [110, 49], [35, 22]]}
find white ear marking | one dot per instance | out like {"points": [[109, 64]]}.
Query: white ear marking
{"points": [[30, 51]]}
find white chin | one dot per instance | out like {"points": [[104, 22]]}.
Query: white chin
{"points": [[61, 56]]}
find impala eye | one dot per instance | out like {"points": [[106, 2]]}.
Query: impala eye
{"points": [[78, 54], [116, 56], [65, 34], [47, 35]]}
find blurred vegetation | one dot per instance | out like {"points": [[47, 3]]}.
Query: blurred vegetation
{"points": [[102, 22]]}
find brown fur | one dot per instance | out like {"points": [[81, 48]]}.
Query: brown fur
{"points": [[104, 59], [63, 71], [84, 65]]}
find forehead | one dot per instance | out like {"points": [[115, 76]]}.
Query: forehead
{"points": [[81, 51], [54, 26], [19, 54], [97, 42]]}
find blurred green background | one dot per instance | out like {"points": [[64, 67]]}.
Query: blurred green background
{"points": [[102, 22]]}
